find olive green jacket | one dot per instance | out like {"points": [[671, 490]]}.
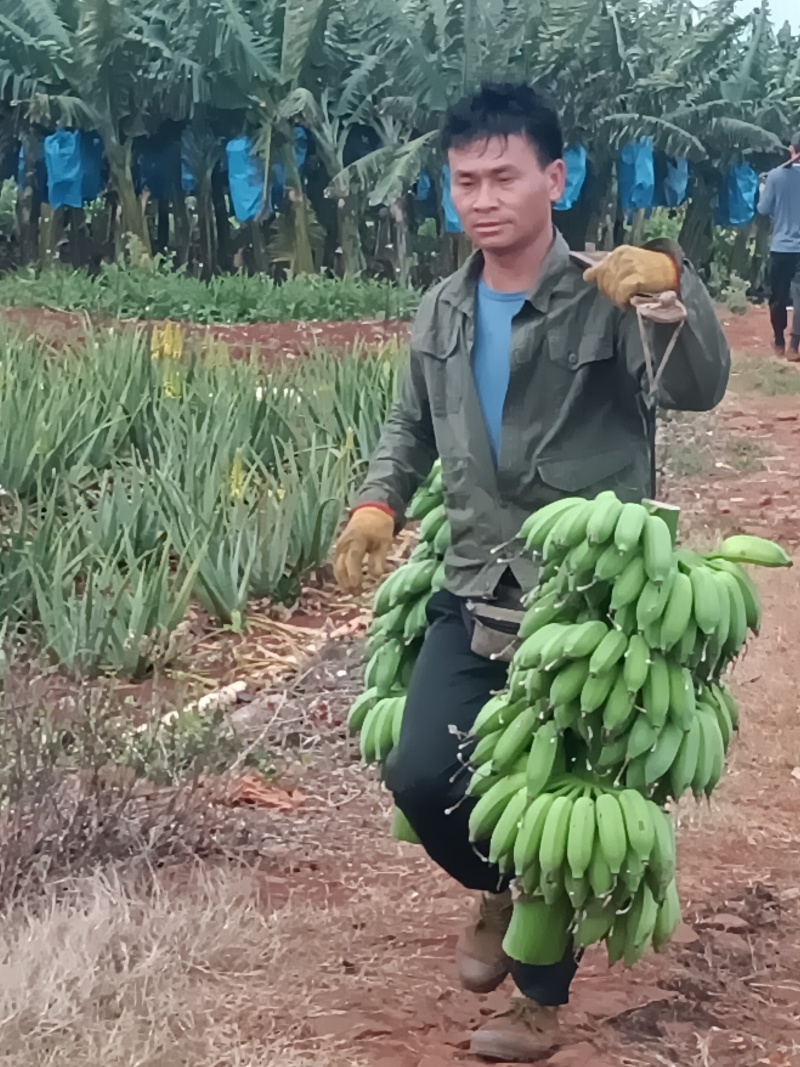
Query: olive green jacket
{"points": [[576, 418]]}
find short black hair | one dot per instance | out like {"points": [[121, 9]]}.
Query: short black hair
{"points": [[504, 110]]}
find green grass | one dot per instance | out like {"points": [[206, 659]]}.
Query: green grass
{"points": [[162, 293], [696, 445], [770, 377]]}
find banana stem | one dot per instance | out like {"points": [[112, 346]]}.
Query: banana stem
{"points": [[668, 512]]}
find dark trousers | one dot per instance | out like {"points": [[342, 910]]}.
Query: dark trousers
{"points": [[784, 284], [427, 775]]}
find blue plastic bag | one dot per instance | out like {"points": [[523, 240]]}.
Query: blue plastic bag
{"points": [[246, 178], [157, 166], [737, 201], [91, 166], [40, 179], [423, 191], [452, 223], [636, 177], [575, 160], [300, 145], [62, 158], [673, 189]]}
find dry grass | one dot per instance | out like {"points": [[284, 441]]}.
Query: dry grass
{"points": [[103, 974], [770, 377]]}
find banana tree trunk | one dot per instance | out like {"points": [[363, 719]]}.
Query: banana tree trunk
{"points": [[29, 202], [207, 226], [298, 208], [697, 232], [350, 236], [402, 257], [132, 220], [183, 229]]}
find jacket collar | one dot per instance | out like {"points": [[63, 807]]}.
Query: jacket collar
{"points": [[459, 291]]}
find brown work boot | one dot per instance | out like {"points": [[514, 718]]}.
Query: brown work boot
{"points": [[482, 964], [526, 1033]]}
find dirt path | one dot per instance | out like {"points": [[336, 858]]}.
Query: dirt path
{"points": [[287, 340], [727, 993]]}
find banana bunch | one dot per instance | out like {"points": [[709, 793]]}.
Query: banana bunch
{"points": [[591, 862], [398, 627], [615, 704]]}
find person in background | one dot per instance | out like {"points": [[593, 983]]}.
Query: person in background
{"points": [[780, 199], [527, 378]]}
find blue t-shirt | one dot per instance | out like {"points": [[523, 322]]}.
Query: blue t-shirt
{"points": [[491, 355], [780, 198]]}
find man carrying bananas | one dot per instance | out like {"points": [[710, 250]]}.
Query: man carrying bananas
{"points": [[532, 378]]}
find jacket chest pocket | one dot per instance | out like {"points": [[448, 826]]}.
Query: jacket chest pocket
{"points": [[444, 375], [576, 353]]}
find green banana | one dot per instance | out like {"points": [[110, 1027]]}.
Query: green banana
{"points": [[483, 752], [641, 925], [382, 670], [441, 541], [638, 823], [487, 811], [747, 587], [661, 865], [678, 612], [657, 549], [600, 875], [578, 890], [496, 712], [432, 523], [705, 599], [653, 601], [668, 919], [745, 548], [359, 708], [629, 585], [618, 707], [684, 766], [529, 836], [505, 832], [594, 922], [530, 651], [553, 846], [662, 756], [570, 529], [630, 526], [655, 691], [542, 758], [609, 652], [537, 527], [737, 632], [681, 695], [516, 738], [637, 663], [581, 836], [642, 737], [596, 690], [584, 638], [613, 562], [569, 682], [606, 508], [612, 837]]}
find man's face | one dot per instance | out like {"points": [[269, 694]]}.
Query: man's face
{"points": [[502, 193]]}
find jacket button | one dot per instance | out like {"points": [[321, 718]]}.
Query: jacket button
{"points": [[573, 359]]}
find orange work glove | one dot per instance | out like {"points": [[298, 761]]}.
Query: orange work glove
{"points": [[367, 537], [629, 271]]}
